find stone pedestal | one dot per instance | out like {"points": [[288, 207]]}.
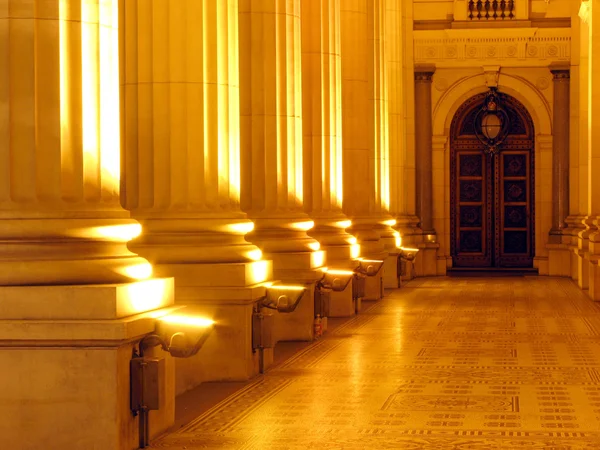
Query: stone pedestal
{"points": [[342, 304], [65, 352]]}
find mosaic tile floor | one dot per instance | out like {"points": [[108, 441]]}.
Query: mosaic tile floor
{"points": [[443, 363]]}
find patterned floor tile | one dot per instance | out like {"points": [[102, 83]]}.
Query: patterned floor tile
{"points": [[443, 363]]}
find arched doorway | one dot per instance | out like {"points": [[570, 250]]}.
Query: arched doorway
{"points": [[492, 208]]}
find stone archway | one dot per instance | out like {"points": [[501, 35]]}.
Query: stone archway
{"points": [[492, 212], [540, 111]]}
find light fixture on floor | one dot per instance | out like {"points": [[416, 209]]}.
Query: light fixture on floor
{"points": [[279, 297], [181, 336]]}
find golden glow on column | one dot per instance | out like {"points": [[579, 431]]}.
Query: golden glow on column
{"points": [[241, 227], [255, 255], [584, 11], [314, 246], [398, 239], [201, 322], [147, 295], [317, 258], [110, 158], [118, 232], [354, 251], [390, 222], [303, 226], [138, 271], [352, 240], [259, 271], [65, 98], [343, 224], [90, 86], [340, 272]]}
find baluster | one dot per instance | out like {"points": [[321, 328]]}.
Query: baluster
{"points": [[495, 9], [471, 9], [511, 8], [502, 9], [479, 7], [487, 9]]}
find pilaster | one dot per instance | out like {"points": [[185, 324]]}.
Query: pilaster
{"points": [[559, 261]]}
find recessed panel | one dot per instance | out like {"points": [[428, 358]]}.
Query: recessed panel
{"points": [[515, 216], [470, 191], [470, 216], [515, 165], [471, 165], [515, 242], [515, 191], [470, 241]]}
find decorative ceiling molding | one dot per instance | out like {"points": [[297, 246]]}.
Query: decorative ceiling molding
{"points": [[487, 47]]}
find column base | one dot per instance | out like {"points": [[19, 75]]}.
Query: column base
{"points": [[559, 260], [65, 353], [225, 293], [374, 287], [426, 262], [342, 304], [391, 275]]}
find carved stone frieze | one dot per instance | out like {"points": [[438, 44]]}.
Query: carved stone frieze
{"points": [[454, 48]]}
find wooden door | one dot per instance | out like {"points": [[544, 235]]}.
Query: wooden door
{"points": [[492, 208]]}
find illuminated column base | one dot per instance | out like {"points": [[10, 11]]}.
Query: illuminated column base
{"points": [[225, 293], [427, 263], [330, 232], [65, 352], [341, 303], [68, 251], [374, 287]]}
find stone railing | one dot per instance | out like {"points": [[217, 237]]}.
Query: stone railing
{"points": [[491, 9]]}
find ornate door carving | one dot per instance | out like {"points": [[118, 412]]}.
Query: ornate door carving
{"points": [[492, 208]]}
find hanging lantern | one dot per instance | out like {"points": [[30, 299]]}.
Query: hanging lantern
{"points": [[491, 123]]}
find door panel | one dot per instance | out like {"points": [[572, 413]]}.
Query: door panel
{"points": [[515, 209], [472, 210], [492, 209]]}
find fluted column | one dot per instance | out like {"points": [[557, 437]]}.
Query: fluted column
{"points": [[560, 150], [592, 220], [181, 131], [59, 152], [423, 130], [322, 128], [72, 308], [271, 133], [365, 118]]}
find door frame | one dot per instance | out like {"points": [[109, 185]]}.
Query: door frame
{"points": [[461, 138]]}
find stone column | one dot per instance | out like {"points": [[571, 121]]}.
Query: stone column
{"points": [[593, 212], [560, 150], [583, 236], [181, 142], [322, 129], [68, 284], [271, 148], [426, 262], [423, 130], [365, 118]]}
